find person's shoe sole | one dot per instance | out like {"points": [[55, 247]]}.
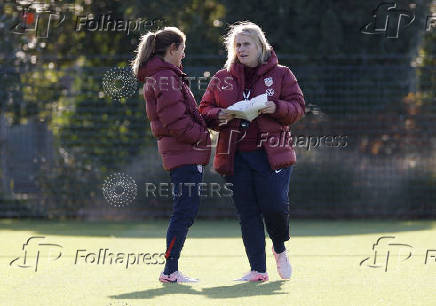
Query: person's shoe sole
{"points": [[167, 281]]}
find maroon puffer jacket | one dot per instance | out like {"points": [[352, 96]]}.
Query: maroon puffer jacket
{"points": [[183, 137], [226, 88]]}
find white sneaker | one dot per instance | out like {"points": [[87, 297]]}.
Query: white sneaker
{"points": [[283, 265], [254, 276], [176, 277]]}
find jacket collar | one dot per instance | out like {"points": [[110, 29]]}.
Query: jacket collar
{"points": [[156, 64], [237, 69]]}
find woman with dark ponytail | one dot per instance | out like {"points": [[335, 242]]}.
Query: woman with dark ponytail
{"points": [[182, 135]]}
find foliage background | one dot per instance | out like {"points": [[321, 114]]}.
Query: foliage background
{"points": [[61, 136]]}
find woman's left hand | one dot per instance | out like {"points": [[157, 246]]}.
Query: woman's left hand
{"points": [[269, 109]]}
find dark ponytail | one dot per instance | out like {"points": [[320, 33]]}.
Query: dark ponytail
{"points": [[156, 43]]}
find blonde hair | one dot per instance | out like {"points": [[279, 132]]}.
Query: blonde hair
{"points": [[156, 43], [254, 32]]}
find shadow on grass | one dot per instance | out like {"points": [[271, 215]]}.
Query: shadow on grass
{"points": [[220, 292], [151, 293], [244, 289]]}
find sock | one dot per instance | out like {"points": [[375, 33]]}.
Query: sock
{"points": [[279, 246], [171, 265]]}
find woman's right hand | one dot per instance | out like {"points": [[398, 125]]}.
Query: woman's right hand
{"points": [[224, 116]]}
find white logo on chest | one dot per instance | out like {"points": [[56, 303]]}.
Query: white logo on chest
{"points": [[270, 92], [268, 81]]}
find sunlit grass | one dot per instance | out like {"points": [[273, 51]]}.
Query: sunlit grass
{"points": [[326, 258]]}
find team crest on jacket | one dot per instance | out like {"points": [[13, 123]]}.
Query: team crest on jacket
{"points": [[270, 92], [268, 81]]}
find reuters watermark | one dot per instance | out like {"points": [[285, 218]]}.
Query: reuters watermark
{"points": [[203, 190], [120, 83], [120, 189], [201, 83]]}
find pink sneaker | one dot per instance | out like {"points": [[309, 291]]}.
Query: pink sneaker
{"points": [[283, 265], [254, 276], [176, 277]]}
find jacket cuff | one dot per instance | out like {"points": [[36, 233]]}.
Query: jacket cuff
{"points": [[213, 113], [206, 137], [277, 103]]}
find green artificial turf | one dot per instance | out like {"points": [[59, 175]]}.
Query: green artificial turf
{"points": [[326, 258]]}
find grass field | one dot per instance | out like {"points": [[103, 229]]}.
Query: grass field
{"points": [[326, 258]]}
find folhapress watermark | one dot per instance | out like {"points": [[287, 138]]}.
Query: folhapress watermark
{"points": [[107, 23], [430, 23], [37, 248], [39, 17], [105, 257], [385, 248], [42, 17], [282, 139], [388, 20], [33, 248]]}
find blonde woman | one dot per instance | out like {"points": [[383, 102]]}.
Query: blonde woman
{"points": [[257, 156]]}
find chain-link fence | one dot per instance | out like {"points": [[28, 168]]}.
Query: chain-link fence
{"points": [[365, 147]]}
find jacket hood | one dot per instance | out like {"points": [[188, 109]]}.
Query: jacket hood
{"points": [[154, 65], [237, 69]]}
